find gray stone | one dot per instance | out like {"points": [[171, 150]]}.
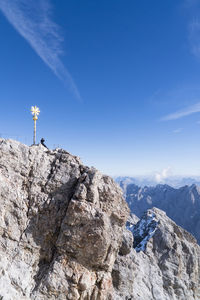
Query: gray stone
{"points": [[168, 268], [127, 243], [61, 225]]}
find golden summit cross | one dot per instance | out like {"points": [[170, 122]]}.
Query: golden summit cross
{"points": [[35, 112]]}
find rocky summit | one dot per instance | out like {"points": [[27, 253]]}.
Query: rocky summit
{"points": [[63, 235], [61, 225]]}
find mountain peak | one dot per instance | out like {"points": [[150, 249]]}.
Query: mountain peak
{"points": [[181, 205], [164, 263]]}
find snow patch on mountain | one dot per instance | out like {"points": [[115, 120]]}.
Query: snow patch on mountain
{"points": [[143, 230]]}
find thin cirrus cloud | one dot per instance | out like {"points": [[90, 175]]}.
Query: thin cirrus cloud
{"points": [[182, 113], [178, 130], [32, 20]]}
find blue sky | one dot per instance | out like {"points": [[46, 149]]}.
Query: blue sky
{"points": [[117, 82]]}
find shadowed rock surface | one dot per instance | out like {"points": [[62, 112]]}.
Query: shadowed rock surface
{"points": [[164, 265], [61, 225]]}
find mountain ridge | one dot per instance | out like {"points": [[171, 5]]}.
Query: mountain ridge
{"points": [[181, 204]]}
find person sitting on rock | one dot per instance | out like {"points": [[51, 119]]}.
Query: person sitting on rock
{"points": [[42, 142]]}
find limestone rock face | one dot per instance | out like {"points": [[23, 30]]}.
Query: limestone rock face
{"points": [[164, 265], [61, 226]]}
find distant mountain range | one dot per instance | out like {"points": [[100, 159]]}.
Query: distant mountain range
{"points": [[180, 204], [174, 181]]}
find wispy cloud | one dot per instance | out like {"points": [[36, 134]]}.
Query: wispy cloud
{"points": [[192, 8], [32, 20], [178, 130], [182, 113]]}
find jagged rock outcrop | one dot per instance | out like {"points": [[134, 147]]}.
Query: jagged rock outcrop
{"points": [[181, 205], [61, 226], [164, 265]]}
